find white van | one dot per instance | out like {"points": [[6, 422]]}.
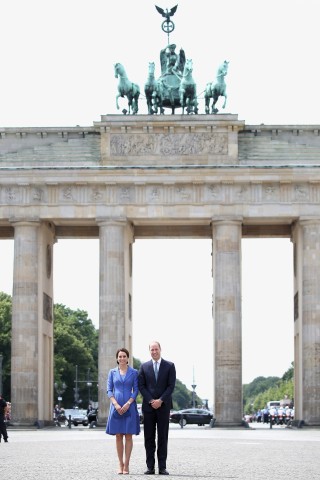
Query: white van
{"points": [[274, 403]]}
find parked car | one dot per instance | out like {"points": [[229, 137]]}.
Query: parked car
{"points": [[78, 416], [195, 416]]}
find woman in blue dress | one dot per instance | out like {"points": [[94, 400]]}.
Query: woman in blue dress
{"points": [[123, 420]]}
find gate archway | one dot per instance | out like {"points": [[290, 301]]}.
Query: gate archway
{"points": [[138, 177]]}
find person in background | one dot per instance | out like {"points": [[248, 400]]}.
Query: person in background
{"points": [[123, 420], [3, 413]]}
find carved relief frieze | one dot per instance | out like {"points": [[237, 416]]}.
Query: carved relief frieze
{"points": [[37, 195], [12, 195], [169, 144], [113, 193], [154, 194], [132, 144], [214, 193], [96, 195], [125, 194], [270, 193], [301, 193], [241, 193], [67, 193], [194, 144], [184, 193]]}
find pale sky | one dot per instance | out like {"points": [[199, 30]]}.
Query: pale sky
{"points": [[57, 62]]}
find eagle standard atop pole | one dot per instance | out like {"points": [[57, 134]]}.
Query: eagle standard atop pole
{"points": [[167, 25]]}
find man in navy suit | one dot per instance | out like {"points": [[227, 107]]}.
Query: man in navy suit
{"points": [[157, 379]]}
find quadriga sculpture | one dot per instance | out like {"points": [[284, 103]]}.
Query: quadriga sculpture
{"points": [[217, 89], [175, 88], [126, 89]]}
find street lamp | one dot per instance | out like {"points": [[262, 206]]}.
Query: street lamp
{"points": [[89, 385], [193, 395], [193, 392], [76, 389], [60, 389]]}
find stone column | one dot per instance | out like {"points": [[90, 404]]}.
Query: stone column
{"points": [[45, 309], [115, 324], [307, 333], [24, 353], [226, 258], [32, 324]]}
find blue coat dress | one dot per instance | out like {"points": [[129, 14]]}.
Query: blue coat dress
{"points": [[123, 388]]}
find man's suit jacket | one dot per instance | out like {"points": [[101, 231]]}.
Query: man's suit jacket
{"points": [[162, 388]]}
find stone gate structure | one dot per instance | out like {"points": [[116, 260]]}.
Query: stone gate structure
{"points": [[143, 176]]}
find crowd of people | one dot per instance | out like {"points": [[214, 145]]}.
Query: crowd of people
{"points": [[280, 415]]}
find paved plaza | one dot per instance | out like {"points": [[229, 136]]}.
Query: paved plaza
{"points": [[194, 453]]}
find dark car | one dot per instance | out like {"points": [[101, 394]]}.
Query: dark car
{"points": [[195, 416], [78, 416]]}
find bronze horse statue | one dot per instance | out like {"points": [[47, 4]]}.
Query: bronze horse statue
{"points": [[188, 89], [153, 92], [126, 89], [217, 89]]}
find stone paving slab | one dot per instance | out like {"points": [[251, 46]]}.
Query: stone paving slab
{"points": [[194, 453]]}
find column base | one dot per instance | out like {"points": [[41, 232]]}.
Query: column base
{"points": [[241, 424], [33, 424]]}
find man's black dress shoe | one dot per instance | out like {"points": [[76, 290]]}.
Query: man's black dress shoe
{"points": [[163, 471], [150, 471]]}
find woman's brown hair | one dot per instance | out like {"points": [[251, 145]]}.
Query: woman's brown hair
{"points": [[124, 350]]}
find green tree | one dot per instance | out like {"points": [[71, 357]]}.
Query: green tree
{"points": [[258, 385], [289, 374], [136, 363], [181, 396], [261, 390], [75, 344], [5, 341]]}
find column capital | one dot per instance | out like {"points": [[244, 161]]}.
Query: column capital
{"points": [[112, 221], [305, 221], [226, 220], [25, 221]]}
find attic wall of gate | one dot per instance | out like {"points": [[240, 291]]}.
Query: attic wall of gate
{"points": [[128, 177]]}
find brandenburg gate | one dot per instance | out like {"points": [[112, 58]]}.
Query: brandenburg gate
{"points": [[148, 176]]}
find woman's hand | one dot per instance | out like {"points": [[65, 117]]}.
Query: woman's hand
{"points": [[124, 408]]}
